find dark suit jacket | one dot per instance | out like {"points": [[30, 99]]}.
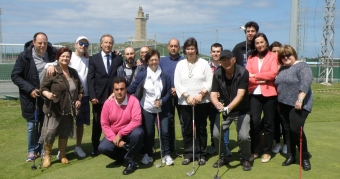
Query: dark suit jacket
{"points": [[99, 82]]}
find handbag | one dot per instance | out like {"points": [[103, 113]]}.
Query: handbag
{"points": [[74, 111]]}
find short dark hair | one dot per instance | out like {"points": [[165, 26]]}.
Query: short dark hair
{"points": [[190, 42], [151, 53], [274, 44], [61, 51], [251, 24], [118, 80], [216, 45], [36, 34], [252, 45]]}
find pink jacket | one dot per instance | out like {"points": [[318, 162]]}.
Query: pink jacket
{"points": [[268, 73], [122, 119]]}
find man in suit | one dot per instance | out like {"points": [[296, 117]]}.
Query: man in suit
{"points": [[102, 69]]}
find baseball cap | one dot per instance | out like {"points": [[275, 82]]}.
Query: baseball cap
{"points": [[81, 38], [226, 54]]}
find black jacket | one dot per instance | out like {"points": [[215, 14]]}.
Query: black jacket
{"points": [[219, 74], [99, 82], [26, 77]]}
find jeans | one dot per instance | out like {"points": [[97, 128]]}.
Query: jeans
{"points": [[135, 141], [149, 121], [174, 104], [214, 115], [32, 136]]}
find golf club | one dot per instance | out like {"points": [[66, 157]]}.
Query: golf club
{"points": [[179, 155], [193, 143], [158, 165], [219, 149], [301, 152], [36, 111]]}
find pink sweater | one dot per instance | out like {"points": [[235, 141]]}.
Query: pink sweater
{"points": [[122, 119]]}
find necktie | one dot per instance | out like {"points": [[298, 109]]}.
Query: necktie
{"points": [[108, 65]]}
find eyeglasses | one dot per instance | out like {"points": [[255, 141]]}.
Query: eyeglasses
{"points": [[287, 55], [82, 43]]}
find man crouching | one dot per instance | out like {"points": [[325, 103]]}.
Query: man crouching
{"points": [[121, 122]]}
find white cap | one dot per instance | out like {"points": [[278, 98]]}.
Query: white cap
{"points": [[81, 38]]}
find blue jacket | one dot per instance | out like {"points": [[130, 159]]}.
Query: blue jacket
{"points": [[139, 83], [25, 76]]}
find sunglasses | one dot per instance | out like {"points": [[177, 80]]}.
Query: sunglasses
{"points": [[82, 43], [287, 55]]}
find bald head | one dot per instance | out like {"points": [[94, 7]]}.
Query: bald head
{"points": [[129, 54], [143, 51], [173, 47]]}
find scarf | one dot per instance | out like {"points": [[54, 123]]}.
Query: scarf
{"points": [[156, 80]]}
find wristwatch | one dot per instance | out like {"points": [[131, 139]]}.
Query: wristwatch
{"points": [[300, 100]]}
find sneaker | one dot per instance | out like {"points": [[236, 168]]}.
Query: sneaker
{"points": [[146, 159], [277, 148], [246, 165], [79, 152], [30, 157], [212, 150], [284, 149], [168, 160], [253, 157], [58, 156]]}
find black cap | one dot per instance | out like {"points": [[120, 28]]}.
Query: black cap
{"points": [[227, 54]]}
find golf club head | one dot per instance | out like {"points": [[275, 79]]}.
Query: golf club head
{"points": [[33, 167], [158, 165], [189, 174], [216, 177]]}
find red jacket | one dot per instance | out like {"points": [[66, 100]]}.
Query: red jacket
{"points": [[268, 73]]}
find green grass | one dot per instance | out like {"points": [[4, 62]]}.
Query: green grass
{"points": [[322, 130]]}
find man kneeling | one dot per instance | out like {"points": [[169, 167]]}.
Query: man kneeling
{"points": [[121, 122]]}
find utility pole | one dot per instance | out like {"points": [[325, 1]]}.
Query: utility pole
{"points": [[0, 36], [216, 36], [327, 44], [297, 26]]}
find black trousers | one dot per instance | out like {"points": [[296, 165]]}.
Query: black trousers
{"points": [[292, 120], [174, 105], [259, 103], [96, 127], [200, 119], [277, 131]]}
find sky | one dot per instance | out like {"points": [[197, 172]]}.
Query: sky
{"points": [[207, 21]]}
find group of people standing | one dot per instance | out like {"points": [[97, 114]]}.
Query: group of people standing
{"points": [[258, 86]]}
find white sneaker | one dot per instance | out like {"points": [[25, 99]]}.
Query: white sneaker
{"points": [[168, 160], [277, 148], [212, 150], [284, 149], [57, 157], [146, 159], [79, 152]]}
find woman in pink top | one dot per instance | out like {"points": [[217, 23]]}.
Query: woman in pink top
{"points": [[263, 68]]}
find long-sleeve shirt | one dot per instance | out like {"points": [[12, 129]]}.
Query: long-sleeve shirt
{"points": [[168, 66], [292, 80], [201, 79], [120, 119]]}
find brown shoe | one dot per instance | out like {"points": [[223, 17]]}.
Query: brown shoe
{"points": [[62, 149]]}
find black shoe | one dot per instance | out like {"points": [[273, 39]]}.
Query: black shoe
{"points": [[130, 168], [306, 165], [94, 152], [186, 162], [220, 163], [289, 160], [246, 165], [119, 162], [201, 161]]}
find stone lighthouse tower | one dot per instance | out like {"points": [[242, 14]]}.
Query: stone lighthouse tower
{"points": [[141, 25]]}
